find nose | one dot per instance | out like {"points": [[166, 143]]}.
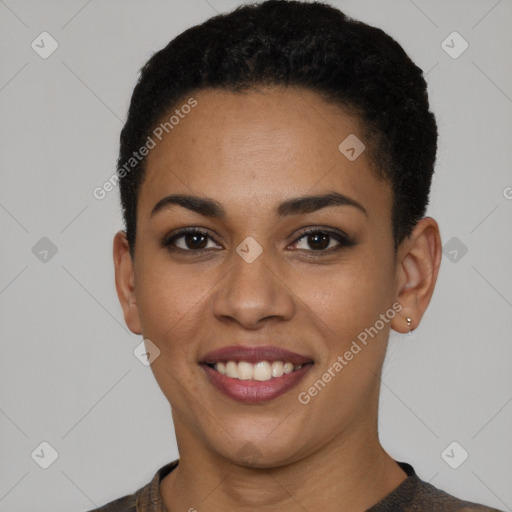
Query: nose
{"points": [[252, 292]]}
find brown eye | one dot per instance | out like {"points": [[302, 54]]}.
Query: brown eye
{"points": [[318, 241], [322, 241], [189, 240], [194, 241]]}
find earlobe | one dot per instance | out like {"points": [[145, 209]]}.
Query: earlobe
{"points": [[125, 282], [418, 267]]}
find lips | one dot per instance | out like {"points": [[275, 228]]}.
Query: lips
{"points": [[254, 388]]}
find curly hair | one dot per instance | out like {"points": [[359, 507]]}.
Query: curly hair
{"points": [[308, 45]]}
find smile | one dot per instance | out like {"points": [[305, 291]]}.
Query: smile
{"points": [[261, 371], [257, 374]]}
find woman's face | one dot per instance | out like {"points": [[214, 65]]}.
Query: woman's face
{"points": [[259, 281]]}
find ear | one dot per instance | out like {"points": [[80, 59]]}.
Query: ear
{"points": [[125, 282], [418, 261]]}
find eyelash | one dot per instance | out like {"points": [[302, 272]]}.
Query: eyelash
{"points": [[344, 240]]}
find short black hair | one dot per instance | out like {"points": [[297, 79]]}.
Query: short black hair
{"points": [[308, 45]]}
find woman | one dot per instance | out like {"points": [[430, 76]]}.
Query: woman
{"points": [[274, 172]]}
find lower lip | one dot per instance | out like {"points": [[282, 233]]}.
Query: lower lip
{"points": [[255, 391]]}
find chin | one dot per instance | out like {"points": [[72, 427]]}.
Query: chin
{"points": [[261, 454]]}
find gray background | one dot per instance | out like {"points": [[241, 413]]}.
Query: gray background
{"points": [[68, 375]]}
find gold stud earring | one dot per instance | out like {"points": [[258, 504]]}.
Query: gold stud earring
{"points": [[409, 321]]}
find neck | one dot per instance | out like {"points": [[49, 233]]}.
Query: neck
{"points": [[352, 470]]}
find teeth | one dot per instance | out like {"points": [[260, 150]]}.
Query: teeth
{"points": [[263, 370], [277, 369], [245, 371], [231, 369], [288, 368]]}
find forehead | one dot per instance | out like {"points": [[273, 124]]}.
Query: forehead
{"points": [[258, 148]]}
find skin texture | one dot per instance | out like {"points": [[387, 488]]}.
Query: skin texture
{"points": [[250, 151]]}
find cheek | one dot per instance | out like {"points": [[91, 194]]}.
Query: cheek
{"points": [[349, 297], [345, 306], [169, 301]]}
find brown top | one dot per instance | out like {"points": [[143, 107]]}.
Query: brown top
{"points": [[412, 495]]}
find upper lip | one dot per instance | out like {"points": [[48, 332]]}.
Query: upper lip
{"points": [[254, 355]]}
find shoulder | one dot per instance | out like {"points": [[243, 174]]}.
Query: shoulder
{"points": [[143, 499], [416, 495], [427, 496], [124, 504]]}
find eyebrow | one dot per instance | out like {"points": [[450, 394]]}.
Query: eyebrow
{"points": [[295, 206]]}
